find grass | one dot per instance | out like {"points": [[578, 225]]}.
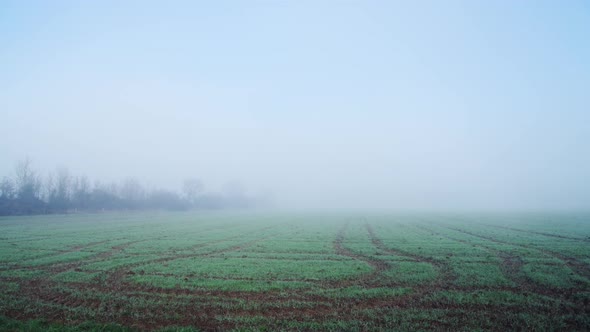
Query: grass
{"points": [[495, 297], [554, 275], [412, 273], [258, 268], [356, 292], [247, 271]]}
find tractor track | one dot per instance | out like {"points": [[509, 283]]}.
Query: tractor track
{"points": [[446, 274], [147, 308], [577, 266], [511, 266], [379, 266], [557, 236]]}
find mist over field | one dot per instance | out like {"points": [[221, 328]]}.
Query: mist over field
{"points": [[319, 105], [297, 165]]}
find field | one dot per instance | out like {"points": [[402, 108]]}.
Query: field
{"points": [[221, 271]]}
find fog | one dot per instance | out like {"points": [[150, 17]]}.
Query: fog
{"points": [[321, 105]]}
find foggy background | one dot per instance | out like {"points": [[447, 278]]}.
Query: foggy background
{"points": [[323, 104]]}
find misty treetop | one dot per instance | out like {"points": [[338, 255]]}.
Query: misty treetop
{"points": [[28, 192]]}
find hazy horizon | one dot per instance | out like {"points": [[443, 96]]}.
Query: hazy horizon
{"points": [[427, 105]]}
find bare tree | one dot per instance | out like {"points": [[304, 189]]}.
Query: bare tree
{"points": [[132, 190], [81, 192], [192, 188], [7, 188], [27, 181], [48, 190], [59, 198], [62, 182]]}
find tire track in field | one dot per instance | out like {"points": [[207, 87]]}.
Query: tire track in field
{"points": [[379, 266], [209, 243], [577, 266], [53, 269], [205, 314], [205, 301], [57, 268], [45, 289], [511, 265], [56, 253], [115, 279], [42, 288], [235, 278], [63, 266], [559, 236], [446, 274], [208, 316]]}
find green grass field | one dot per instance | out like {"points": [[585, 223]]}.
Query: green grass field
{"points": [[221, 271]]}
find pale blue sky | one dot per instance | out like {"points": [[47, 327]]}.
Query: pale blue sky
{"points": [[390, 104]]}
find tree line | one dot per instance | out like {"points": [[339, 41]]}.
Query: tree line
{"points": [[28, 192]]}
